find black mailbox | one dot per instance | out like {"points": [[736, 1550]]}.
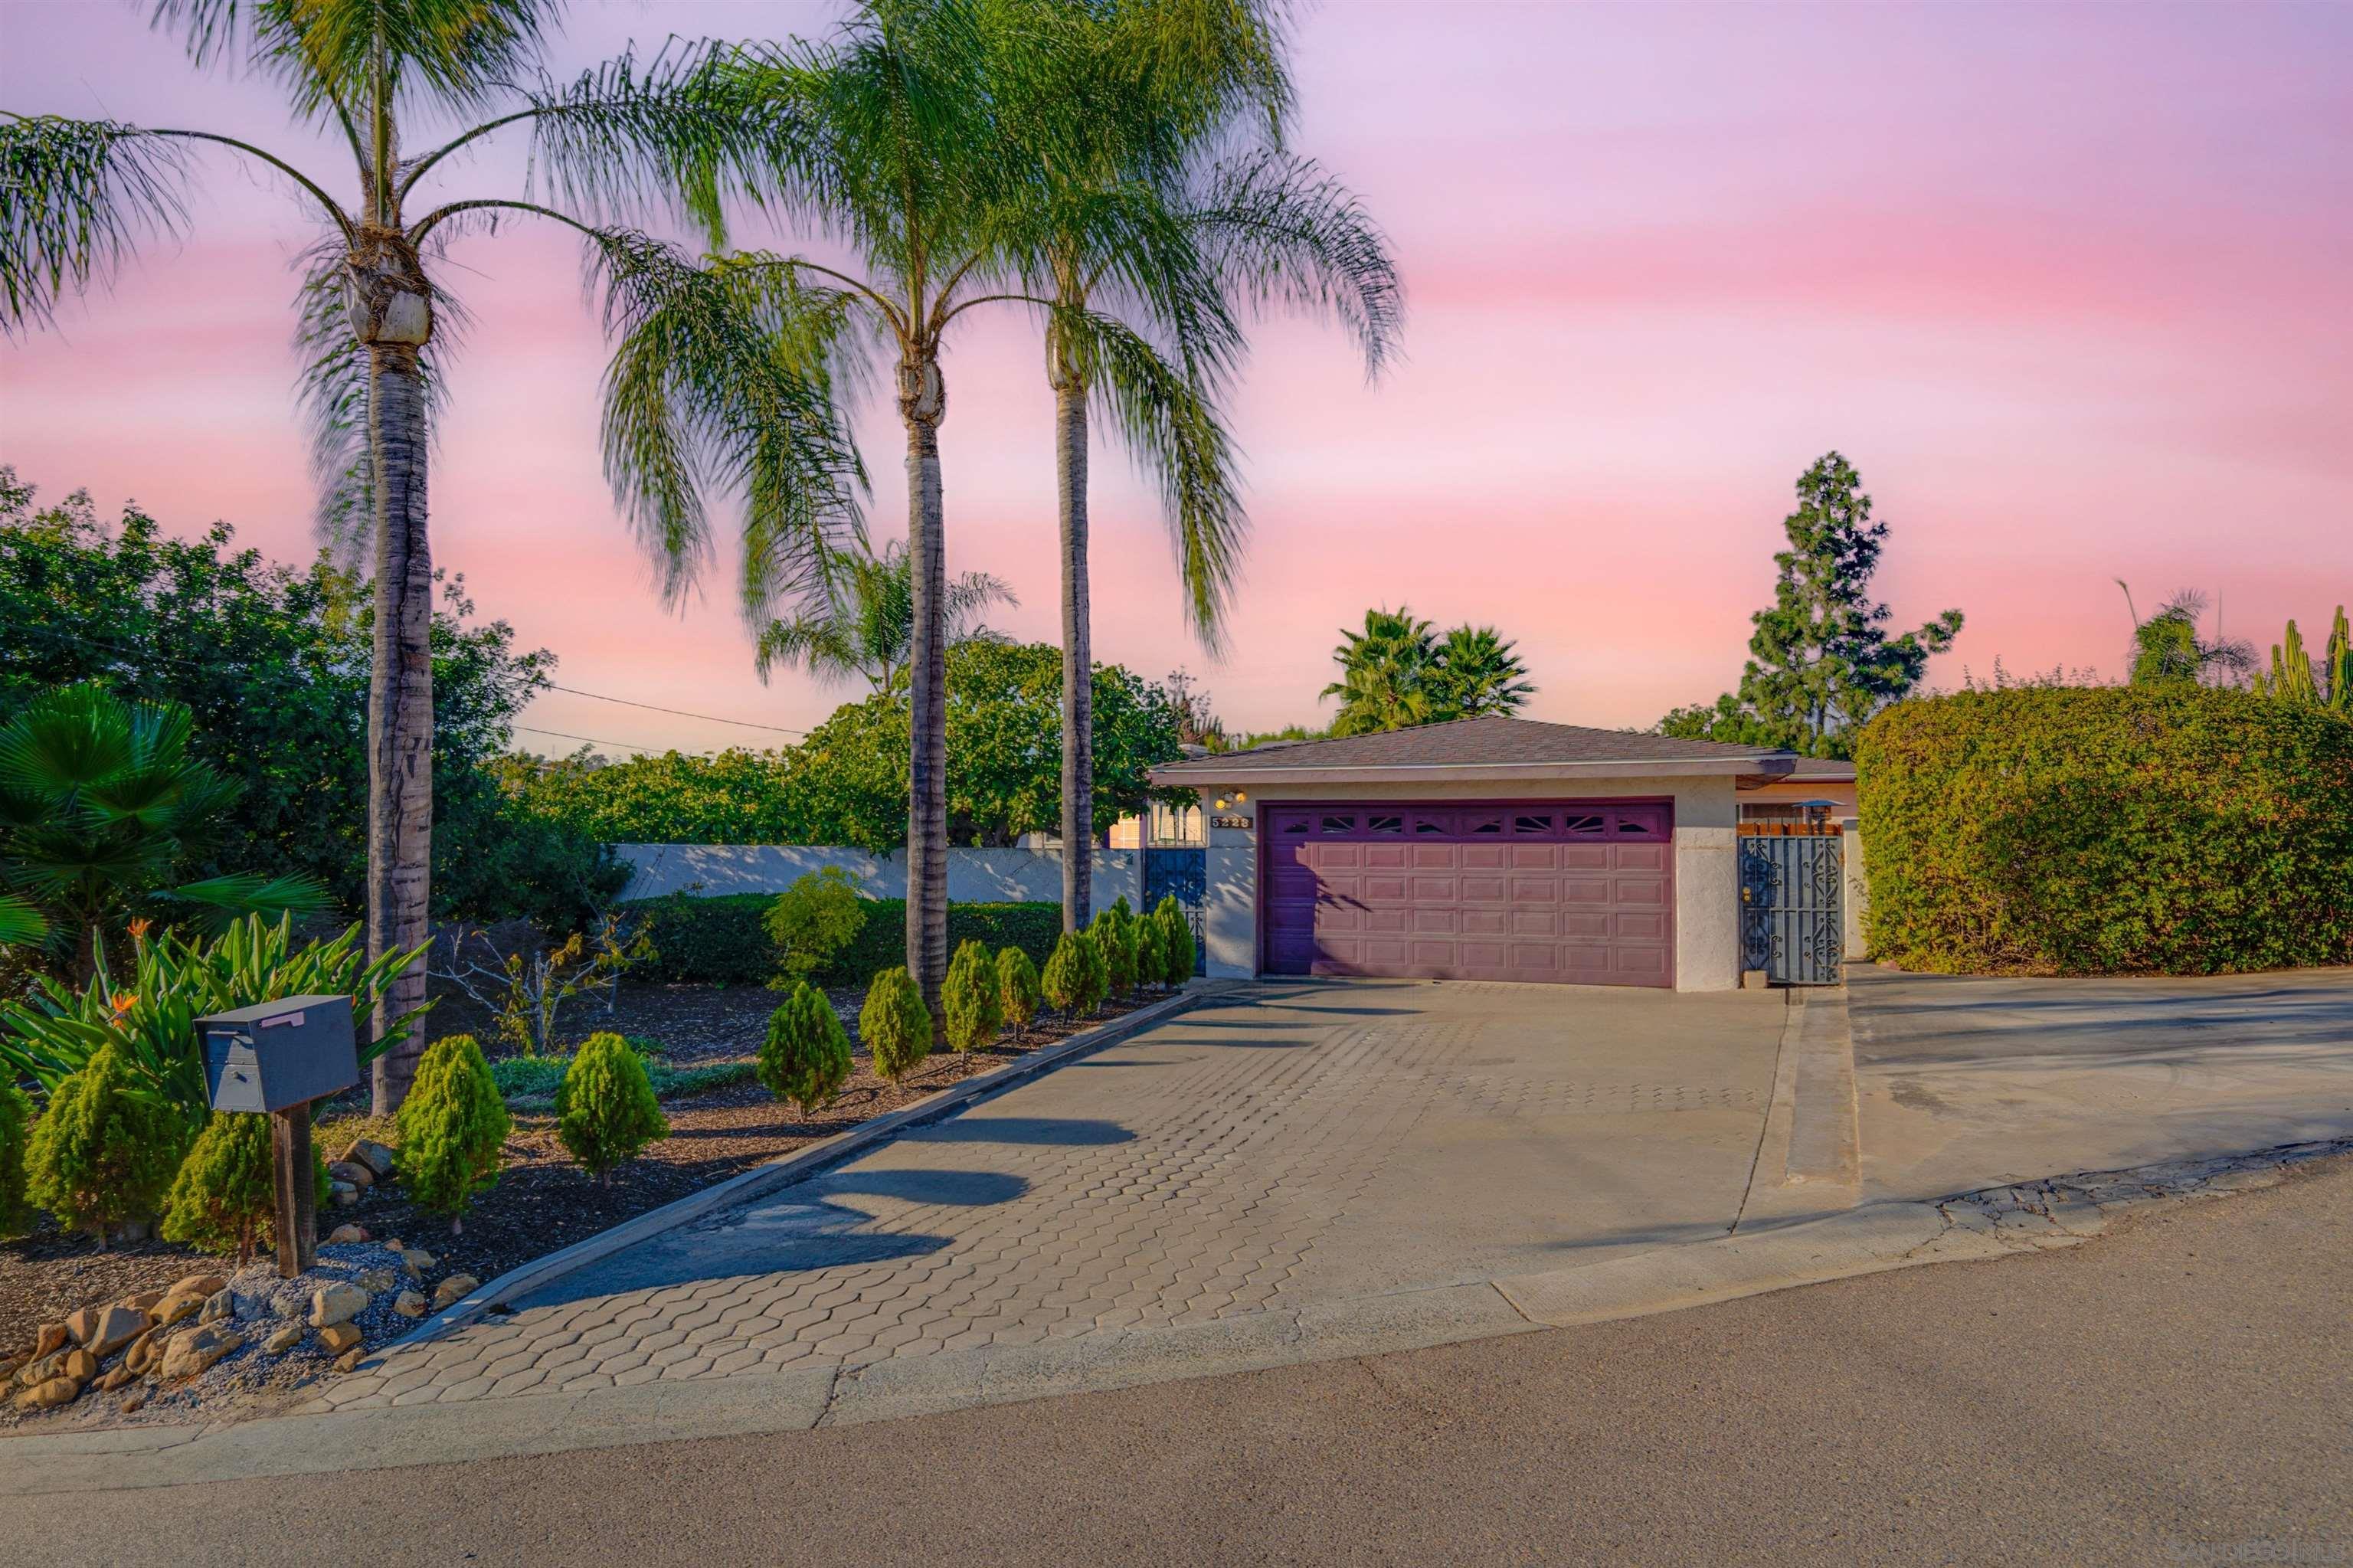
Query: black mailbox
{"points": [[275, 1055]]}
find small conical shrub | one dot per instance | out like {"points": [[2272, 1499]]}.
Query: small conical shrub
{"points": [[1177, 950], [1098, 972], [894, 1024], [973, 1009], [16, 1127], [606, 1112], [225, 1198], [1064, 983], [102, 1156], [806, 1058], [1114, 935], [1017, 989], [1149, 961], [453, 1129]]}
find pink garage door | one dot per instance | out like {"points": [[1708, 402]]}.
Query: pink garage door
{"points": [[1578, 893]]}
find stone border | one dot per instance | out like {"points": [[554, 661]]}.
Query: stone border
{"points": [[797, 1165]]}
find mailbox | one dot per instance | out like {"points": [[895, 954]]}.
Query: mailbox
{"points": [[275, 1055]]}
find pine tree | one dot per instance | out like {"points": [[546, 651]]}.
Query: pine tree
{"points": [[16, 1127], [606, 1109], [894, 1025], [225, 1198], [453, 1131], [970, 998], [806, 1058], [1017, 989], [103, 1154]]}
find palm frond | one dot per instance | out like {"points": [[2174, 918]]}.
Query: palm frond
{"points": [[234, 896], [453, 54], [1283, 233], [21, 925], [76, 196]]}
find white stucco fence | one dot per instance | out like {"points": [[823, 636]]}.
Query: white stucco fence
{"points": [[974, 875]]}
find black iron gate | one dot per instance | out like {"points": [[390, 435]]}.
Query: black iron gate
{"points": [[1792, 924], [1181, 872]]}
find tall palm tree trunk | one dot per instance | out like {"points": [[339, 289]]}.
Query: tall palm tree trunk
{"points": [[1078, 656], [923, 401], [400, 700]]}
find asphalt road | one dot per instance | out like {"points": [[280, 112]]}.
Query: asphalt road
{"points": [[2174, 1392]]}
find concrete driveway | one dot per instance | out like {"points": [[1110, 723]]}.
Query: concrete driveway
{"points": [[1964, 1083]]}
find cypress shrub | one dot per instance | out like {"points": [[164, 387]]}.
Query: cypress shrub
{"points": [[2108, 830], [453, 1129], [806, 1058], [16, 1127], [606, 1112], [1177, 950], [1151, 962], [894, 1024], [1114, 935], [1074, 977], [1017, 989], [969, 999], [225, 1198], [103, 1155]]}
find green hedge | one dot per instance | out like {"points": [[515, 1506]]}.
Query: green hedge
{"points": [[2108, 830], [722, 941]]}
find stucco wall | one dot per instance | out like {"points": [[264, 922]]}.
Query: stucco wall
{"points": [[1707, 879], [974, 875]]}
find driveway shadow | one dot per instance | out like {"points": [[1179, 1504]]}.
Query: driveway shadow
{"points": [[1072, 1131]]}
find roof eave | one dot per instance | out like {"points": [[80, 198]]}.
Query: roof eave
{"points": [[1201, 775]]}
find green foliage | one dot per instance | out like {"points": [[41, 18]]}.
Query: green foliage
{"points": [[1397, 672], [2168, 649], [1820, 662], [1151, 962], [605, 1111], [866, 625], [16, 1128], [806, 1057], [452, 1128], [524, 991], [814, 919], [971, 1002], [724, 940], [894, 1025], [1076, 975], [529, 1083], [149, 1015], [225, 1199], [2173, 830], [103, 1152], [1177, 955], [1017, 990], [1114, 937], [273, 665]]}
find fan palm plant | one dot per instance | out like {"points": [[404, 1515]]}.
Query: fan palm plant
{"points": [[1479, 674], [1385, 672], [866, 625], [102, 810], [76, 195], [1155, 218], [2167, 649]]}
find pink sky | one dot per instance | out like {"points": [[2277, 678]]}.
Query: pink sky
{"points": [[2069, 286]]}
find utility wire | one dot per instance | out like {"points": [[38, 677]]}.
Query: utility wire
{"points": [[657, 707]]}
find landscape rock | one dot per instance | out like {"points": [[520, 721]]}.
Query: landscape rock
{"points": [[377, 1281], [40, 1369], [193, 1350], [454, 1288], [410, 1304], [344, 1193], [112, 1328], [80, 1365], [343, 1233], [9, 1365], [367, 1152], [119, 1378], [353, 1171], [198, 1286], [51, 1337], [144, 1354], [133, 1402], [338, 1338], [143, 1302], [287, 1337], [220, 1303], [337, 1303], [48, 1395], [418, 1260], [79, 1322], [350, 1359], [176, 1306]]}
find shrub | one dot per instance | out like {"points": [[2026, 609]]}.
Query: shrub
{"points": [[225, 1198], [16, 1125], [1114, 934], [606, 1112], [814, 920], [726, 940], [1177, 950], [1073, 982], [1150, 962], [1017, 989], [895, 1024], [970, 1002], [806, 1058], [2060, 830], [103, 1153], [453, 1129]]}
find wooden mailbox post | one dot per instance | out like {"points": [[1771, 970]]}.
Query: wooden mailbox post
{"points": [[277, 1057]]}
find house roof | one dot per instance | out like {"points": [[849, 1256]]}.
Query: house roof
{"points": [[1480, 744]]}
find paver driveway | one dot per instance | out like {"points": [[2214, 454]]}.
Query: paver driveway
{"points": [[1293, 1145]]}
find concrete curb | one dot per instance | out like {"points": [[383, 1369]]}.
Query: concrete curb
{"points": [[797, 1165]]}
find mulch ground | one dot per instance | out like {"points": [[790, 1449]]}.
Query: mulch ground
{"points": [[542, 1200]]}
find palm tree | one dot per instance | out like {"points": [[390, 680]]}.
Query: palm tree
{"points": [[1385, 673], [102, 810], [866, 625], [75, 196], [1479, 675], [2167, 649], [1146, 240]]}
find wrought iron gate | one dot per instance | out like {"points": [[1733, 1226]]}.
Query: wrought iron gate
{"points": [[1792, 924], [1181, 872]]}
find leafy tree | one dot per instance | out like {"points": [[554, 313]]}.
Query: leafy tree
{"points": [[734, 797], [806, 1057], [1398, 672], [1820, 664], [894, 1025], [225, 1198], [16, 1128], [453, 1129], [865, 624], [2167, 649], [2296, 677], [606, 1112], [814, 919], [78, 194], [102, 810], [103, 1153], [972, 1003], [1017, 989]]}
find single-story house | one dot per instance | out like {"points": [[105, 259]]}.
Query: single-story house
{"points": [[1495, 849]]}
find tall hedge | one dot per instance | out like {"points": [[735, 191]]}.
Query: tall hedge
{"points": [[2108, 830], [724, 940]]}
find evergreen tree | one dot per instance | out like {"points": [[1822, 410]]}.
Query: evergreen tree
{"points": [[1820, 662]]}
